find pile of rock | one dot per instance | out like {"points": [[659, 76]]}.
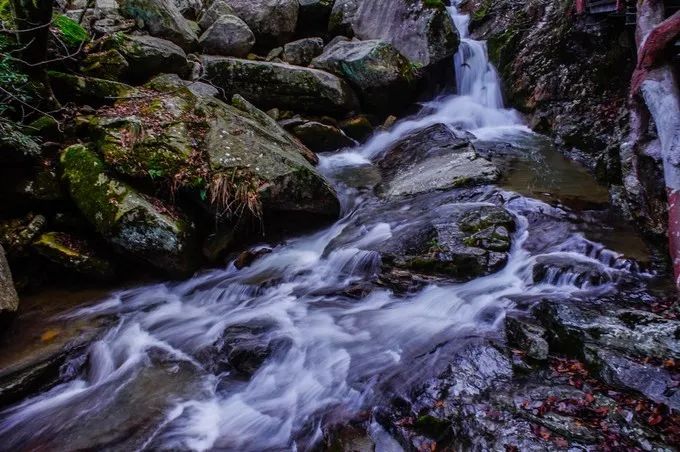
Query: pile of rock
{"points": [[196, 124]]}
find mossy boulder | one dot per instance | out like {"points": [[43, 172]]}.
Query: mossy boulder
{"points": [[136, 224], [73, 254], [228, 35], [163, 19], [216, 9], [90, 90], [148, 56], [421, 31], [341, 17], [383, 77], [234, 157], [109, 65], [69, 31], [321, 137], [270, 85]]}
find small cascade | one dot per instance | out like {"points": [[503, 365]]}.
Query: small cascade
{"points": [[475, 75]]}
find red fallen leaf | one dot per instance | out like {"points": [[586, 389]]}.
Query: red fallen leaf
{"points": [[589, 398], [640, 406], [669, 363], [603, 410], [655, 419]]}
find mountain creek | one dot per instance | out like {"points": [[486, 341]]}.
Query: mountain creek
{"points": [[478, 290]]}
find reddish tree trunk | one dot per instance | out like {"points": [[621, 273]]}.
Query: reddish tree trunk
{"points": [[653, 48], [580, 6]]}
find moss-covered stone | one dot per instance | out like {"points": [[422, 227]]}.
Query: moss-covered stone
{"points": [[381, 75], [163, 20], [136, 224], [109, 65], [69, 87], [73, 254], [70, 32]]}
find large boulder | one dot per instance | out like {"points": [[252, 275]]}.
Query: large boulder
{"points": [[138, 225], [434, 158], [321, 137], [272, 21], [213, 12], [421, 31], [86, 90], [163, 19], [270, 85], [229, 36], [380, 74], [9, 300], [236, 157], [148, 56]]}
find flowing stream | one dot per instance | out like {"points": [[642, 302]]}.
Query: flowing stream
{"points": [[156, 379]]}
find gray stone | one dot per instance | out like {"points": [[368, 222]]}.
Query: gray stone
{"points": [[216, 9], [163, 20], [228, 36], [9, 300], [342, 16], [272, 21], [321, 137], [148, 56], [424, 34], [270, 85], [435, 158], [383, 78], [302, 51]]}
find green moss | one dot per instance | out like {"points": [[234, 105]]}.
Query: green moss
{"points": [[71, 32], [482, 12], [6, 15], [433, 3]]}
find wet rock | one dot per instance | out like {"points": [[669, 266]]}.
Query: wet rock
{"points": [[555, 269], [358, 128], [654, 382], [272, 21], [86, 90], [73, 254], [109, 65], [428, 236], [148, 56], [302, 51], [382, 77], [243, 348], [527, 337], [321, 137], [246, 258], [342, 16], [639, 333], [228, 36], [138, 225], [270, 85], [213, 12], [9, 300], [162, 19], [434, 158], [421, 32]]}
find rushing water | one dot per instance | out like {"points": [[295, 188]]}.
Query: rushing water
{"points": [[155, 380]]}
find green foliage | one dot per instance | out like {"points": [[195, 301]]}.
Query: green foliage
{"points": [[6, 15], [433, 3], [70, 31], [12, 79]]}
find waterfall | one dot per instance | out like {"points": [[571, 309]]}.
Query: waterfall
{"points": [[475, 75]]}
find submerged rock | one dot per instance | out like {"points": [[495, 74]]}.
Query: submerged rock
{"points": [[434, 158], [383, 78], [162, 19], [272, 21], [138, 225], [270, 85], [9, 300], [421, 31], [229, 36]]}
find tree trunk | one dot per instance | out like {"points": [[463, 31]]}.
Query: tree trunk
{"points": [[654, 84], [32, 19]]}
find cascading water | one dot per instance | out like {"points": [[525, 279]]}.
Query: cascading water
{"points": [[156, 380]]}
